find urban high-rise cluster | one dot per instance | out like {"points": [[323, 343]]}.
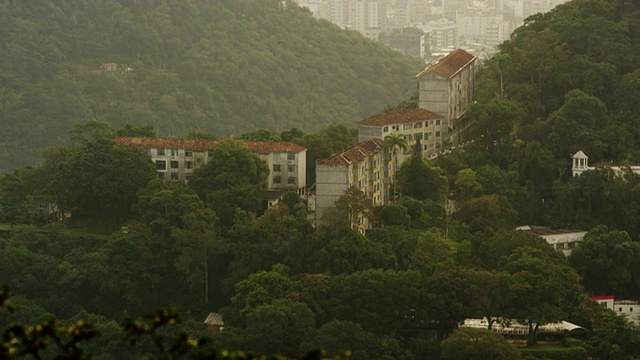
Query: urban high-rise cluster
{"points": [[430, 29]]}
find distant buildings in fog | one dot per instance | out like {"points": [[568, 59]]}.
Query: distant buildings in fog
{"points": [[445, 24]]}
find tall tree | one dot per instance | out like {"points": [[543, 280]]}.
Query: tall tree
{"points": [[195, 243], [422, 181], [393, 143]]}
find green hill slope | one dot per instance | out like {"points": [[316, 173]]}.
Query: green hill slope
{"points": [[576, 71], [224, 67]]}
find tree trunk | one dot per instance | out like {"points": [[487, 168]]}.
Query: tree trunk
{"points": [[206, 277], [532, 339]]}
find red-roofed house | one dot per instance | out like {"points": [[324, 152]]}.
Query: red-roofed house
{"points": [[361, 165], [446, 88], [176, 159]]}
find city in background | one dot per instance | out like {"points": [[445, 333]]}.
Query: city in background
{"points": [[431, 29]]}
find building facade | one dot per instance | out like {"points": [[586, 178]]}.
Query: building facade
{"points": [[629, 309], [561, 239], [364, 166], [446, 88], [177, 159], [410, 124]]}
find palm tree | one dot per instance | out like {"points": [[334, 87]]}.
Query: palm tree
{"points": [[392, 142]]}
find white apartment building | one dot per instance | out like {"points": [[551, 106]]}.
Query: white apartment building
{"points": [[486, 26], [446, 88], [177, 159], [444, 33]]}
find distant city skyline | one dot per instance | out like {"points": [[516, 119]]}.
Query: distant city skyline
{"points": [[476, 25]]}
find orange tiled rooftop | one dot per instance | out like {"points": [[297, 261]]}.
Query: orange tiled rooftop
{"points": [[400, 117], [259, 147], [450, 64]]}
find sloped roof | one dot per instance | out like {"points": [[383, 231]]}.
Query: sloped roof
{"points": [[355, 153], [399, 117], [214, 319], [258, 147], [450, 64], [580, 155]]}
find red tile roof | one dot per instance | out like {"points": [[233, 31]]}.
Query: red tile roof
{"points": [[258, 147], [355, 153], [400, 117], [450, 64]]}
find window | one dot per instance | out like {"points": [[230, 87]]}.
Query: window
{"points": [[161, 175], [437, 122], [160, 152], [210, 153], [276, 180], [174, 164], [174, 176], [187, 164], [407, 126], [291, 168], [291, 156], [291, 181], [188, 153], [417, 125], [161, 165], [276, 167], [174, 152], [620, 309], [630, 309], [437, 133], [188, 176], [417, 136], [385, 129]]}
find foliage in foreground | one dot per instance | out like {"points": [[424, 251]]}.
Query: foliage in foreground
{"points": [[52, 339]]}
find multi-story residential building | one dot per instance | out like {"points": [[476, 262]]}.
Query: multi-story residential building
{"points": [[444, 34], [410, 41], [177, 159], [446, 88], [410, 124], [483, 25], [363, 166]]}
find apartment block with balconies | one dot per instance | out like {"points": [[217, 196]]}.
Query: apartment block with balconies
{"points": [[177, 159], [446, 88], [365, 166]]}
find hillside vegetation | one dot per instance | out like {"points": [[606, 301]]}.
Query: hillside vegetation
{"points": [[222, 67]]}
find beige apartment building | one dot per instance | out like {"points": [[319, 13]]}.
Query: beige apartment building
{"points": [[177, 159], [446, 88], [365, 166], [410, 124]]}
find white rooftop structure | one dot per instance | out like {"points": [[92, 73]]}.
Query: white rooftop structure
{"points": [[581, 164]]}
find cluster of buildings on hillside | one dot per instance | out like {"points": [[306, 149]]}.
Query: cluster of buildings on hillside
{"points": [[427, 28], [445, 91]]}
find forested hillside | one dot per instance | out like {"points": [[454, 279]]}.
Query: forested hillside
{"points": [[568, 80], [224, 67]]}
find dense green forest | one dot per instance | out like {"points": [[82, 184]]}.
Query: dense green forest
{"points": [[224, 67], [568, 80]]}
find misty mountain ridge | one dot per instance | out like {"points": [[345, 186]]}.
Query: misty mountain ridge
{"points": [[223, 67]]}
